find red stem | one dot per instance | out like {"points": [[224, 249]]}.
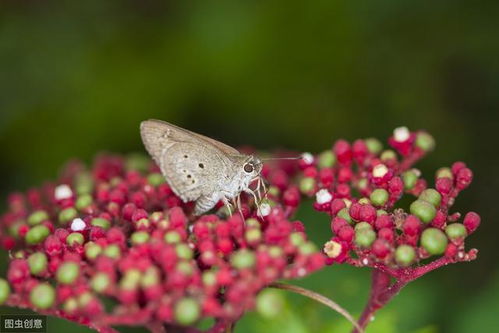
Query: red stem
{"points": [[383, 289]]}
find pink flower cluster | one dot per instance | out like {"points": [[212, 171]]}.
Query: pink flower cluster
{"points": [[359, 186], [114, 246]]}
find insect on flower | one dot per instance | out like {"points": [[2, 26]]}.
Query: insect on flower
{"points": [[199, 168]]}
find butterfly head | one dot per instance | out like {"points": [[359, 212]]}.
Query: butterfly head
{"points": [[252, 167]]}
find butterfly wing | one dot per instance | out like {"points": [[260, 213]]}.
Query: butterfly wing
{"points": [[192, 170], [191, 163], [157, 135]]}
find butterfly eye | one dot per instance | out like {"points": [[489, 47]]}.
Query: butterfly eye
{"points": [[248, 168]]}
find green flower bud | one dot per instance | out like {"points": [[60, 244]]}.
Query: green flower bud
{"points": [[14, 228], [92, 250], [131, 279], [67, 214], [252, 223], [456, 231], [172, 237], [253, 235], [405, 255], [374, 145], [243, 259], [139, 237], [425, 141], [37, 263], [344, 214], [100, 282], [388, 155], [274, 191], [364, 201], [83, 201], [379, 197], [275, 251], [364, 236], [143, 223], [37, 217], [185, 267], [19, 254], [4, 291], [432, 196], [424, 210], [434, 241], [327, 159], [156, 179], [100, 222], [112, 251], [307, 248], [67, 272], [269, 303], [84, 183], [42, 296], [75, 238], [150, 277], [209, 278], [187, 311], [444, 173], [184, 251], [37, 234], [70, 305], [362, 183], [307, 185], [297, 238], [84, 299], [410, 179], [138, 162], [363, 225]]}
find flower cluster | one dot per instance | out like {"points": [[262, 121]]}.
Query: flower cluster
{"points": [[115, 246], [359, 185]]}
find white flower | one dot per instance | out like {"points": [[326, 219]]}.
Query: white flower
{"points": [[307, 158], [78, 224], [401, 134], [63, 192], [332, 249], [323, 196], [265, 209], [380, 170]]}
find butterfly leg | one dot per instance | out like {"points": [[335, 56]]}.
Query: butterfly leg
{"points": [[227, 204], [257, 204], [237, 204]]}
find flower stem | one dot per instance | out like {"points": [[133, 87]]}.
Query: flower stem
{"points": [[382, 291], [319, 298]]}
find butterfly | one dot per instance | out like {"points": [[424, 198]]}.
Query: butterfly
{"points": [[201, 169]]}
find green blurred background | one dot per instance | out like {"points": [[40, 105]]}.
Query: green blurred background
{"points": [[77, 77]]}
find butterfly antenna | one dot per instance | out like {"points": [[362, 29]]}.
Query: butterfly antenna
{"points": [[281, 158]]}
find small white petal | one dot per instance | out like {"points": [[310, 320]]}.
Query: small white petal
{"points": [[307, 158], [63, 192], [323, 196], [417, 172], [332, 249], [302, 272], [265, 209], [78, 224], [380, 170], [365, 261], [401, 134]]}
